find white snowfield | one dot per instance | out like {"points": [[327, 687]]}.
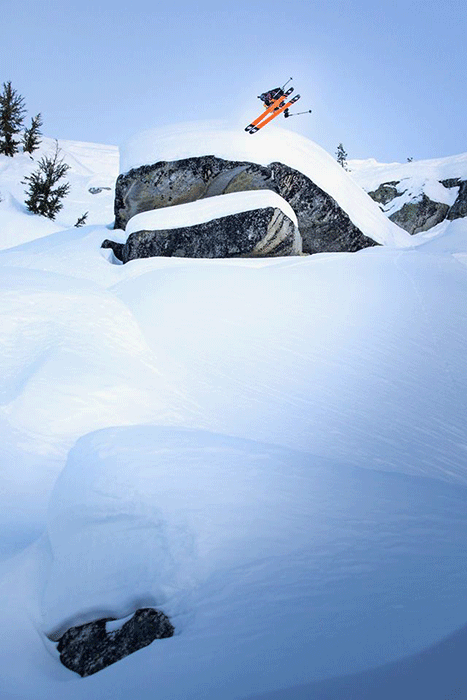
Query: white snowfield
{"points": [[272, 451], [208, 209], [369, 173]]}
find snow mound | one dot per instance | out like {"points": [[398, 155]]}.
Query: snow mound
{"points": [[371, 358], [280, 559], [208, 209], [271, 145]]}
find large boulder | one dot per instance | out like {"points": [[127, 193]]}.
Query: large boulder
{"points": [[323, 224], [420, 215], [87, 649], [246, 224]]}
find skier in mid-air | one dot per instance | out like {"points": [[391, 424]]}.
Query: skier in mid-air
{"points": [[276, 101], [271, 96]]}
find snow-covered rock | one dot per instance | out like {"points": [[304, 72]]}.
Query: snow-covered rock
{"points": [[416, 195], [252, 224], [178, 165]]}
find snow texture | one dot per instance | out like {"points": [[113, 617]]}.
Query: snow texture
{"points": [[270, 451]]}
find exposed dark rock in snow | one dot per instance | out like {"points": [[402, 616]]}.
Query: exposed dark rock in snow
{"points": [[89, 648], [386, 192], [420, 215], [98, 190], [450, 182], [116, 247], [459, 208], [257, 233], [323, 225]]}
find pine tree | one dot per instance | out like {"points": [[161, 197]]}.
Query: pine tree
{"points": [[342, 156], [43, 199], [12, 113], [31, 136], [81, 220]]}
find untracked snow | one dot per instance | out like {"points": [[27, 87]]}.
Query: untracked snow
{"points": [[271, 451]]}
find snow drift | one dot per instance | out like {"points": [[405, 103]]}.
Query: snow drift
{"points": [[271, 450]]}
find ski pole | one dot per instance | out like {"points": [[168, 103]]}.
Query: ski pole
{"points": [[286, 83], [295, 114]]}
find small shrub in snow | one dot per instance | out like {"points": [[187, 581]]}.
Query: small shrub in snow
{"points": [[341, 154], [12, 111], [31, 136], [43, 197], [82, 220]]}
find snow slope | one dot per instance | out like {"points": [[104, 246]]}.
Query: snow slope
{"points": [[91, 166], [271, 450], [369, 173]]}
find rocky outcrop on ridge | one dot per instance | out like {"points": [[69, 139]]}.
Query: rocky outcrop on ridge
{"points": [[322, 223], [459, 208], [422, 213], [89, 648], [257, 233]]}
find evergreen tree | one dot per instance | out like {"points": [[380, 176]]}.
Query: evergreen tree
{"points": [[12, 113], [82, 220], [341, 156], [31, 136], [43, 199]]}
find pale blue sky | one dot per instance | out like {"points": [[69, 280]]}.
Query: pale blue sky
{"points": [[385, 78]]}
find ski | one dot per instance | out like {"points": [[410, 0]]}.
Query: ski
{"points": [[271, 108], [259, 124]]}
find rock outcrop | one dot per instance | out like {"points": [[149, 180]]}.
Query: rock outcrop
{"points": [[421, 213], [89, 648], [459, 208], [117, 248], [322, 223], [256, 233]]}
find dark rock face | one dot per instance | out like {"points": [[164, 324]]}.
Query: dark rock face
{"points": [[260, 232], [323, 225], [459, 208], [89, 648], [386, 193], [165, 184], [420, 215], [116, 247], [450, 182]]}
